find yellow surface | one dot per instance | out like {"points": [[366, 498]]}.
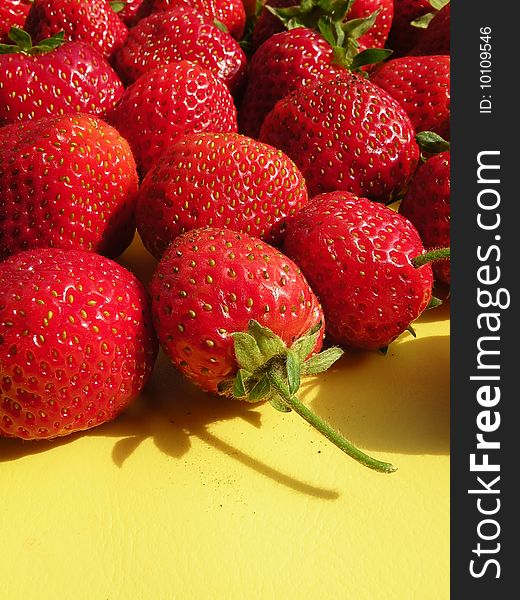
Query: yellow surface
{"points": [[190, 497]]}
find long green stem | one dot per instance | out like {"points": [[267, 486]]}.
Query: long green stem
{"points": [[431, 256], [336, 438]]}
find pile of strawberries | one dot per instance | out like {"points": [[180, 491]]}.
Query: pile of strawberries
{"points": [[256, 150]]}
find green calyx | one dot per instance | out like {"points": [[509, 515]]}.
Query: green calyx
{"points": [[22, 43], [431, 143], [270, 371], [117, 6], [423, 21], [328, 17]]}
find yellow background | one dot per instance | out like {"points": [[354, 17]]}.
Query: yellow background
{"points": [[186, 496]]}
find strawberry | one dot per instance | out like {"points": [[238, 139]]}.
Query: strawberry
{"points": [[230, 13], [345, 133], [357, 256], [12, 14], [76, 342], [180, 34], [162, 104], [93, 22], [52, 79], [66, 181], [127, 11], [236, 317], [427, 206], [218, 180], [421, 85], [436, 39], [403, 34], [290, 14]]}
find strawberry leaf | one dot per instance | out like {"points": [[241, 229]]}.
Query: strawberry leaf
{"points": [[370, 56], [431, 142], [117, 6], [268, 342], [21, 38], [293, 372], [247, 352], [22, 43], [321, 362], [433, 303], [277, 403], [239, 384]]}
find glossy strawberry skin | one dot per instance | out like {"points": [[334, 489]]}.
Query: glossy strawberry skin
{"points": [[356, 254], [67, 182], [12, 14], [76, 342], [129, 14], [210, 283], [345, 133], [93, 22], [218, 180], [165, 103], [427, 206], [284, 62], [436, 39], [72, 78], [180, 34], [421, 85], [230, 13]]}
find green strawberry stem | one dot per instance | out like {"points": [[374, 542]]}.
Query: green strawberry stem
{"points": [[328, 18], [431, 256], [269, 370], [325, 429]]}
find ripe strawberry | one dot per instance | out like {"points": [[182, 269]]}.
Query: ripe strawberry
{"points": [[226, 306], [403, 35], [93, 22], [66, 181], [230, 13], [76, 342], [357, 256], [181, 33], [436, 39], [12, 14], [307, 14], [345, 133], [129, 12], [210, 283], [421, 84], [218, 180], [52, 79], [285, 61], [163, 104], [427, 206]]}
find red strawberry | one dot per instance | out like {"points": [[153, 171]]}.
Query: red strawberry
{"points": [[436, 38], [427, 206], [268, 24], [129, 12], [218, 180], [76, 342], [165, 103], [51, 80], [12, 14], [230, 13], [282, 63], [210, 283], [345, 133], [357, 256], [93, 22], [403, 35], [66, 181], [421, 84], [180, 34], [226, 307]]}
